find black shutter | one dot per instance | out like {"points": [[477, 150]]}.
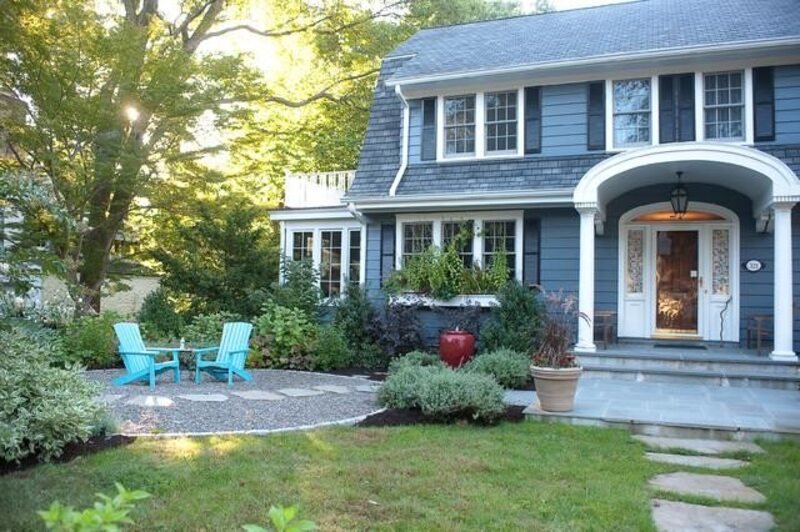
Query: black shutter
{"points": [[533, 119], [596, 116], [676, 108], [387, 250], [428, 129], [530, 252], [764, 103]]}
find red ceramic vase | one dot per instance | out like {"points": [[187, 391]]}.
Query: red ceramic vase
{"points": [[456, 347]]}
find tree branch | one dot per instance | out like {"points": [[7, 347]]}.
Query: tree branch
{"points": [[323, 94]]}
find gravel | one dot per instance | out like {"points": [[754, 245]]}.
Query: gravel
{"points": [[237, 413]]}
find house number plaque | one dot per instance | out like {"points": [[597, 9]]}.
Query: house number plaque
{"points": [[753, 265]]}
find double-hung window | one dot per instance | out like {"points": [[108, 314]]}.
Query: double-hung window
{"points": [[459, 234], [417, 237], [302, 245], [459, 126], [499, 238], [632, 112], [330, 274], [354, 269], [724, 105], [334, 249], [501, 122]]}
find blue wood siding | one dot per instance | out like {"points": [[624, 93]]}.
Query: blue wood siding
{"points": [[560, 250], [564, 119], [415, 131], [787, 104]]}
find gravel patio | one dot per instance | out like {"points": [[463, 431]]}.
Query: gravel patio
{"points": [[274, 400]]}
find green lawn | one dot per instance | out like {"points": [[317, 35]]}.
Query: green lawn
{"points": [[527, 476]]}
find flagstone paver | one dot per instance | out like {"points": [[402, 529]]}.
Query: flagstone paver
{"points": [[299, 392], [708, 462], [110, 398], [670, 516], [368, 388], [332, 388], [204, 397], [699, 446], [714, 486], [150, 401], [259, 395]]}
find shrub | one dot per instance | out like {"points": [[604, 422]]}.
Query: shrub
{"points": [[399, 330], [448, 394], [42, 408], [284, 337], [509, 368], [401, 389], [90, 340], [414, 358], [517, 322], [158, 316], [330, 350], [355, 317], [300, 288], [106, 514], [206, 329], [371, 356]]}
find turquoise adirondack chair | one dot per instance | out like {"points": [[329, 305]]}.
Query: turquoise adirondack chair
{"points": [[231, 354], [140, 361]]}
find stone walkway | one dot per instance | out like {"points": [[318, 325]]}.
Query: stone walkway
{"points": [[672, 516], [274, 400]]}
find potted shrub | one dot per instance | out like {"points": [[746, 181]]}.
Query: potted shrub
{"points": [[554, 368], [456, 347]]}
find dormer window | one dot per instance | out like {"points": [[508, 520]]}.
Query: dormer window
{"points": [[724, 106], [501, 122], [459, 126], [632, 112]]}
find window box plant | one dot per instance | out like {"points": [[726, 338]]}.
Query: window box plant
{"points": [[554, 369]]}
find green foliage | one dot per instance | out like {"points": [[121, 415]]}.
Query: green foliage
{"points": [[355, 317], [398, 330], [158, 317], [516, 323], [42, 408], [402, 388], [449, 394], [330, 350], [285, 337], [414, 358], [509, 368], [283, 520], [300, 288], [222, 261], [90, 341], [206, 329], [106, 514]]}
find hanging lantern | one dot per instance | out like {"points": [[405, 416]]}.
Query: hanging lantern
{"points": [[679, 198]]}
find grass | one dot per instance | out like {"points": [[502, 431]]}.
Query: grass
{"points": [[526, 476]]}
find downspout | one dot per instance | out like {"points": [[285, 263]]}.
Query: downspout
{"points": [[404, 146]]}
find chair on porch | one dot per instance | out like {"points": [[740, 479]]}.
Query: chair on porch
{"points": [[759, 329], [140, 361], [231, 354], [605, 324]]}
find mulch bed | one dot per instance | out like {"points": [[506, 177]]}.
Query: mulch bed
{"points": [[412, 416], [71, 451]]}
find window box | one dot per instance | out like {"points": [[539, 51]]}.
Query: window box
{"points": [[482, 300]]}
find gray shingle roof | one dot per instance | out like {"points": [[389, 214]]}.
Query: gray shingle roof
{"points": [[636, 27]]}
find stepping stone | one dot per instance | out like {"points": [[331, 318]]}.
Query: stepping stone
{"points": [[259, 395], [150, 401], [333, 389], [708, 462], [367, 388], [204, 397], [712, 486], [672, 516], [699, 446], [299, 392], [109, 398]]}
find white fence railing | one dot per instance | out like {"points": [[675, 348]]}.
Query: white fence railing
{"points": [[317, 189]]}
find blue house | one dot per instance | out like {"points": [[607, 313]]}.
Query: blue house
{"points": [[643, 155]]}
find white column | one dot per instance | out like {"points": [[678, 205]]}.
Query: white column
{"points": [[586, 281], [783, 315]]}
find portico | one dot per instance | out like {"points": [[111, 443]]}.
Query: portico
{"points": [[679, 277]]}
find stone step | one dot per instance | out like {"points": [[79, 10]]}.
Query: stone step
{"points": [[745, 379], [671, 516], [707, 462], [717, 487], [735, 363], [698, 446]]}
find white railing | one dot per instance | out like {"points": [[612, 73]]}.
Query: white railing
{"points": [[317, 189]]}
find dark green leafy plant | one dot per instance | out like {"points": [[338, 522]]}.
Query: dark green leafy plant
{"points": [[509, 368], [300, 288], [355, 318], [330, 350], [90, 341], [206, 329], [285, 337], [516, 323], [105, 516], [158, 317], [283, 520]]}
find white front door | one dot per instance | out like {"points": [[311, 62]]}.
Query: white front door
{"points": [[679, 278]]}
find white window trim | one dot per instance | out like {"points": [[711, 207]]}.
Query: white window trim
{"points": [[654, 114], [316, 227], [477, 242]]}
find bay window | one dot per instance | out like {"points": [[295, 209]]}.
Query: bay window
{"points": [[459, 125], [501, 122], [334, 249], [724, 105], [632, 112]]}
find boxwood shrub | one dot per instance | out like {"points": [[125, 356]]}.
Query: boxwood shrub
{"points": [[414, 358], [449, 395], [509, 368]]}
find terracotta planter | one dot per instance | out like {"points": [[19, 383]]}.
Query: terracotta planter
{"points": [[555, 388], [456, 347]]}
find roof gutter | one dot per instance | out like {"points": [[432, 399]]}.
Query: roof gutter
{"points": [[540, 197], [598, 60], [404, 149]]}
